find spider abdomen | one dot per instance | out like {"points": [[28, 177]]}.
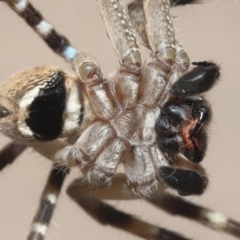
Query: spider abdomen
{"points": [[48, 104]]}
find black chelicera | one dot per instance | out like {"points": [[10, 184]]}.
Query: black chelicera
{"points": [[181, 126]]}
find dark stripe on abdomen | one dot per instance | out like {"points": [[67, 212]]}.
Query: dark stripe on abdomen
{"points": [[46, 111], [82, 109]]}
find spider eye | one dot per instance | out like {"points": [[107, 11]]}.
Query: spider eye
{"points": [[4, 112]]}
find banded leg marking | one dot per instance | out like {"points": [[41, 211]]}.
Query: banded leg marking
{"points": [[89, 199], [85, 66], [58, 43], [177, 206], [47, 203], [106, 214]]}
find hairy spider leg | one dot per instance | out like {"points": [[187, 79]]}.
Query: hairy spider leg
{"points": [[48, 203], [58, 43], [125, 45], [169, 203], [50, 193], [167, 55], [89, 199], [175, 205], [81, 193]]}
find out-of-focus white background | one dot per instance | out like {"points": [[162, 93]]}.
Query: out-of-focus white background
{"points": [[209, 31]]}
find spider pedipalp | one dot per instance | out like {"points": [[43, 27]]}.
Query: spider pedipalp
{"points": [[199, 80]]}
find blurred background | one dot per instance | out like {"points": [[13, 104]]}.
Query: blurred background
{"points": [[208, 31]]}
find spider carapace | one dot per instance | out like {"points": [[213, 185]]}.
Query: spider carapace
{"points": [[148, 116]]}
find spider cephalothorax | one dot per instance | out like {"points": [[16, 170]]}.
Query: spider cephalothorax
{"points": [[149, 116]]}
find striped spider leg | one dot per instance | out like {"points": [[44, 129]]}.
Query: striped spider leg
{"points": [[107, 121]]}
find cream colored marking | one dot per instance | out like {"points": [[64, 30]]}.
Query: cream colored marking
{"points": [[52, 198], [40, 228], [24, 129], [44, 28], [21, 5], [29, 97], [72, 110], [216, 218]]}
